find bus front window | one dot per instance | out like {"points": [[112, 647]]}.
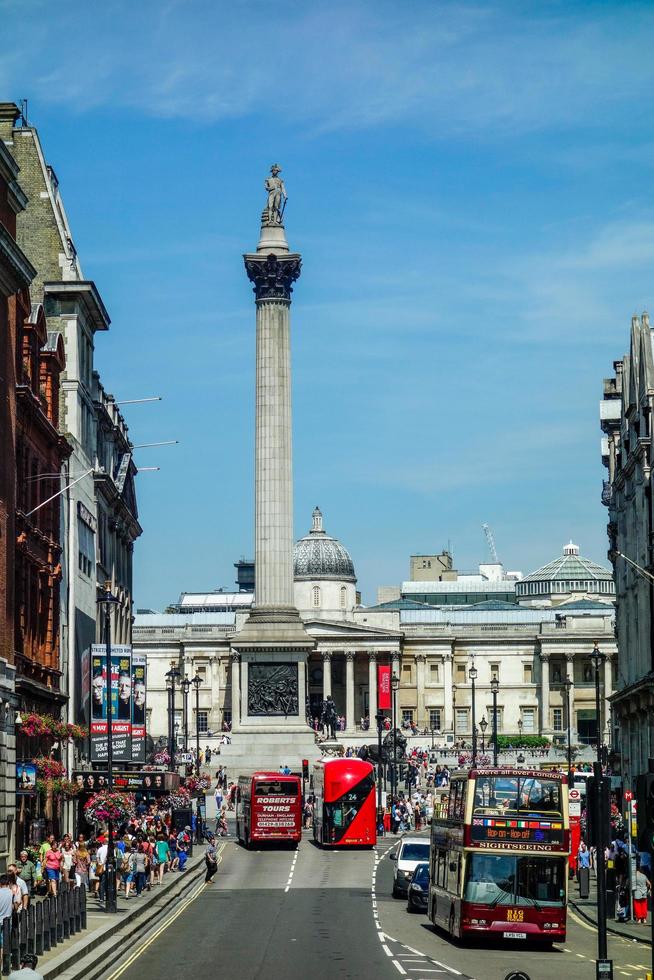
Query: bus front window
{"points": [[510, 880], [497, 795]]}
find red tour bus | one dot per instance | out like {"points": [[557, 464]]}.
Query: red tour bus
{"points": [[498, 860], [269, 808], [345, 811]]}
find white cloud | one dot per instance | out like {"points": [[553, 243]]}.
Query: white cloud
{"points": [[447, 67]]}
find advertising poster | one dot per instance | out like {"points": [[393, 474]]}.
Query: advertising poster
{"points": [[139, 699], [25, 779], [384, 687], [121, 703]]}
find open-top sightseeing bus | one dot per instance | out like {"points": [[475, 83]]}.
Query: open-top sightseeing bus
{"points": [[344, 810], [498, 858]]}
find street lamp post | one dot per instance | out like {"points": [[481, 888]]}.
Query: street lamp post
{"points": [[483, 724], [171, 676], [495, 686], [185, 685], [454, 711], [597, 658], [568, 690], [472, 673], [521, 725], [395, 683], [106, 599], [197, 680]]}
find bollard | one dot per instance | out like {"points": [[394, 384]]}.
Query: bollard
{"points": [[584, 882], [59, 917], [15, 947], [65, 912], [6, 946], [82, 907], [42, 929], [31, 929], [52, 919]]}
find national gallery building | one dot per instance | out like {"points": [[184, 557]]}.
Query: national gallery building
{"points": [[533, 634]]}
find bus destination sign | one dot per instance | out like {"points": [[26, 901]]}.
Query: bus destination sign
{"points": [[543, 834]]}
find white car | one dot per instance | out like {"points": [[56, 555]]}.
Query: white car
{"points": [[409, 852]]}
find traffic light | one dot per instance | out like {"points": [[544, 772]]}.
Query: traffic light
{"points": [[645, 811], [598, 836], [305, 769]]}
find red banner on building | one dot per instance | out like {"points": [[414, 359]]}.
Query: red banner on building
{"points": [[384, 687]]}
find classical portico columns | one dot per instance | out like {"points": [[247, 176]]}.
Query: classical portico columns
{"points": [[544, 692], [420, 681], [449, 692], [236, 689], [372, 686], [350, 723], [326, 674]]}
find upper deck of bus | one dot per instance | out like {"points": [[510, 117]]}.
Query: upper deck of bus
{"points": [[335, 777], [269, 783]]}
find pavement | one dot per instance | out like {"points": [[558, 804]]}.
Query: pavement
{"points": [[587, 908], [98, 942]]}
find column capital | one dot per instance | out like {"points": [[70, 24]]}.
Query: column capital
{"points": [[234, 656], [544, 657], [326, 656], [420, 657], [349, 656], [273, 275], [570, 657], [372, 656], [448, 656]]}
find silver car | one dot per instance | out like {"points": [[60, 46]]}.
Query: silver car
{"points": [[409, 852]]}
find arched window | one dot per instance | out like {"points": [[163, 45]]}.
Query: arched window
{"points": [[316, 596], [343, 597]]}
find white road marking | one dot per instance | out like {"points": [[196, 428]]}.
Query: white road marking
{"points": [[386, 949], [399, 968]]}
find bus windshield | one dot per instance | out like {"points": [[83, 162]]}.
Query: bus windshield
{"points": [[517, 794], [512, 880], [276, 787]]}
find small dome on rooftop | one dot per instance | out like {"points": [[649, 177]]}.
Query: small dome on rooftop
{"points": [[319, 556]]}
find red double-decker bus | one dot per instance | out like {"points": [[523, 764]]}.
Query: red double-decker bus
{"points": [[345, 809], [499, 856], [269, 808]]}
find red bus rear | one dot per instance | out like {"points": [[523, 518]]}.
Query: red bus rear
{"points": [[269, 808], [345, 811]]}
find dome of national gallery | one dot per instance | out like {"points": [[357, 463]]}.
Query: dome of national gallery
{"points": [[319, 556], [564, 576]]}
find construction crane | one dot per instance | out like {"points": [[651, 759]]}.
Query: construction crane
{"points": [[491, 543]]}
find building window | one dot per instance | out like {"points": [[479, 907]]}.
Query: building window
{"points": [[203, 722], [316, 596], [343, 597], [461, 720], [461, 673], [495, 671], [526, 673], [201, 672], [407, 716], [528, 721], [557, 719], [500, 717], [434, 673], [407, 675], [435, 719], [86, 553]]}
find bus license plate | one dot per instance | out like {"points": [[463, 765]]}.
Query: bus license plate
{"points": [[515, 935]]}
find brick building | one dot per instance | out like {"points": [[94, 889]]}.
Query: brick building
{"points": [[16, 274]]}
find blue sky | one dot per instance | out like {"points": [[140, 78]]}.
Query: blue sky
{"points": [[470, 187]]}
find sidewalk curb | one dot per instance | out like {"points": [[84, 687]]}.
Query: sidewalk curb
{"points": [[87, 958], [614, 932]]}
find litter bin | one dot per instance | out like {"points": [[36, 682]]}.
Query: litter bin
{"points": [[584, 882]]}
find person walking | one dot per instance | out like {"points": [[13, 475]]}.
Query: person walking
{"points": [[28, 965], [27, 870], [211, 860], [53, 865], [140, 864], [641, 888], [163, 856]]}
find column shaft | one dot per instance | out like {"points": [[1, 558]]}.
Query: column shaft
{"points": [[420, 686], [350, 723], [236, 691], [449, 693], [273, 457], [326, 674], [544, 692]]}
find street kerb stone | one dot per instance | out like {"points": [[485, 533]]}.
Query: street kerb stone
{"points": [[93, 954]]}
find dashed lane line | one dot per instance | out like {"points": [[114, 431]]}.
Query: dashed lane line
{"points": [[290, 876]]}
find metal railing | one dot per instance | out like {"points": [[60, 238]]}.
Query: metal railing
{"points": [[40, 927]]}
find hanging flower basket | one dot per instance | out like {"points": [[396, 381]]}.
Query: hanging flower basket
{"points": [[110, 806], [179, 800], [45, 726], [48, 768], [161, 758], [198, 784]]}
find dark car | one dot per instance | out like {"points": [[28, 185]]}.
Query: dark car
{"points": [[418, 890]]}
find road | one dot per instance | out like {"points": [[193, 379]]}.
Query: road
{"points": [[329, 914]]}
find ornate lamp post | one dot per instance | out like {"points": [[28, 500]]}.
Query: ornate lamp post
{"points": [[483, 724], [106, 600], [171, 677], [395, 684], [185, 685], [379, 718], [521, 725], [472, 674], [197, 680], [495, 686]]}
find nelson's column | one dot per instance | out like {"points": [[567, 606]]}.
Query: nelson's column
{"points": [[269, 654]]}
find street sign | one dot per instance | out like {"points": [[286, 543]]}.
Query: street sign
{"points": [[574, 794], [628, 795], [574, 808], [604, 970]]}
